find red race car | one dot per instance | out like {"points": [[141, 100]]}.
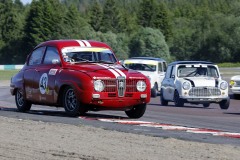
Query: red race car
{"points": [[79, 75]]}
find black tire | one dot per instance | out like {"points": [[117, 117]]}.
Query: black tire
{"points": [[177, 100], [137, 111], [163, 101], [206, 105], [70, 103], [224, 104], [22, 104], [154, 91]]}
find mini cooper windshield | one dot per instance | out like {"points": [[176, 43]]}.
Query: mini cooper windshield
{"points": [[197, 71], [92, 55], [141, 67]]}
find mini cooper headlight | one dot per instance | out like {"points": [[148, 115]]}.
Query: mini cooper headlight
{"points": [[186, 85], [141, 86], [99, 85], [223, 85]]}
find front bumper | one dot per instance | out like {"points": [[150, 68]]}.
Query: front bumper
{"points": [[235, 90], [205, 99]]}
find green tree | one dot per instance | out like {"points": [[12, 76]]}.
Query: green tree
{"points": [[161, 20], [118, 42], [110, 19], [146, 13], [149, 42], [96, 14], [74, 26], [43, 22], [11, 32]]}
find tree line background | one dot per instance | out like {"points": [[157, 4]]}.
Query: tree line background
{"points": [[168, 29]]}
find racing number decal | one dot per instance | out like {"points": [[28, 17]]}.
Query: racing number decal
{"points": [[43, 83]]}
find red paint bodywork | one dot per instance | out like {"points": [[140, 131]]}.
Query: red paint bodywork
{"points": [[80, 76]]}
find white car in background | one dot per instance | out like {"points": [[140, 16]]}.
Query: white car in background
{"points": [[234, 86], [196, 82], [153, 68]]}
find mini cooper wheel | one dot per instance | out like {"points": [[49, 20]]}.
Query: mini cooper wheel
{"points": [[154, 91], [177, 100], [22, 104], [70, 102], [206, 105], [224, 104], [137, 111], [163, 101]]}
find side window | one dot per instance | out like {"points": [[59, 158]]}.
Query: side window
{"points": [[169, 69], [36, 56], [164, 66], [51, 54], [160, 67], [173, 72]]}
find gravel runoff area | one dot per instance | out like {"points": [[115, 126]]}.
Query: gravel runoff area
{"points": [[29, 140]]}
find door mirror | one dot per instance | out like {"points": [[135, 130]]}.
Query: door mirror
{"points": [[55, 61]]}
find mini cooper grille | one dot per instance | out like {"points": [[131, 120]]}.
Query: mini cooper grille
{"points": [[237, 83], [204, 91], [120, 85]]}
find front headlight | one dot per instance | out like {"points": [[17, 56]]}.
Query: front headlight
{"points": [[186, 85], [231, 83], [141, 86], [98, 85], [223, 85]]}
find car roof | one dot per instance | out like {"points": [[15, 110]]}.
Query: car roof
{"points": [[190, 62], [68, 42], [148, 58]]}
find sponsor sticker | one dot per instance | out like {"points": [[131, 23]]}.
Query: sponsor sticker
{"points": [[53, 71], [43, 83]]}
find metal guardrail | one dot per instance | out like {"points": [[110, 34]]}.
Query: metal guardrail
{"points": [[11, 67]]}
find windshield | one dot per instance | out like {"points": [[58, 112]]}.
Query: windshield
{"points": [[141, 67], [197, 71], [79, 55]]}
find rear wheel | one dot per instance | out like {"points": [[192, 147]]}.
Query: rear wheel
{"points": [[163, 101], [22, 104], [177, 100], [137, 111], [224, 104], [71, 105]]}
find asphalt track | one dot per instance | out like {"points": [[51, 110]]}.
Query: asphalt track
{"points": [[191, 122]]}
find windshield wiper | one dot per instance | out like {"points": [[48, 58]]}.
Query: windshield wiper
{"points": [[108, 62]]}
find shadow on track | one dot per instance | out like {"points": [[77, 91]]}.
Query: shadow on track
{"points": [[185, 106], [63, 114]]}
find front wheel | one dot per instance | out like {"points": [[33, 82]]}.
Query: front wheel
{"points": [[137, 111], [206, 105], [224, 104], [163, 101], [177, 100], [22, 104], [71, 104]]}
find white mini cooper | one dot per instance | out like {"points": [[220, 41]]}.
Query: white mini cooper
{"points": [[196, 82]]}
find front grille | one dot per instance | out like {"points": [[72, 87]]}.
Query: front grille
{"points": [[121, 81], [204, 91], [120, 87], [237, 84]]}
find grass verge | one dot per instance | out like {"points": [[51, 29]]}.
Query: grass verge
{"points": [[7, 74]]}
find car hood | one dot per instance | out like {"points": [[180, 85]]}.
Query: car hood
{"points": [[99, 70], [236, 78], [202, 81]]}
